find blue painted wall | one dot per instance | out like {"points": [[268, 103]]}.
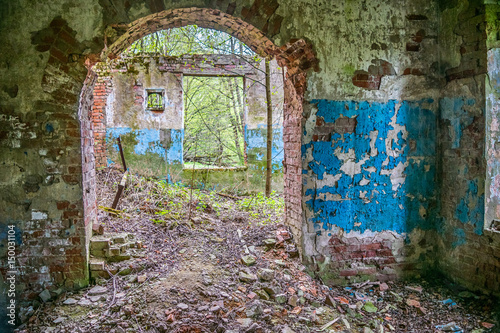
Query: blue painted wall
{"points": [[256, 140], [148, 141], [410, 204]]}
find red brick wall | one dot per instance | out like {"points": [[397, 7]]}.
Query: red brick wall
{"points": [[102, 88]]}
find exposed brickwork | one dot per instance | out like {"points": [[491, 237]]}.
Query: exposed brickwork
{"points": [[102, 88], [52, 252], [372, 257], [323, 131], [371, 79], [205, 18], [472, 29]]}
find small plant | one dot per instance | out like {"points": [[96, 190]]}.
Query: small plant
{"points": [[266, 209]]}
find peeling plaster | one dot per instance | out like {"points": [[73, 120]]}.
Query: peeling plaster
{"points": [[378, 181]]}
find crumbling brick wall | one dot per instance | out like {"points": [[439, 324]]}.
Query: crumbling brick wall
{"points": [[468, 249], [102, 89]]}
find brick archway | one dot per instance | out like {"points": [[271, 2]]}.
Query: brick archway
{"points": [[58, 128], [297, 56]]}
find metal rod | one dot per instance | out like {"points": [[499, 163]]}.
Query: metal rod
{"points": [[121, 154], [121, 186]]}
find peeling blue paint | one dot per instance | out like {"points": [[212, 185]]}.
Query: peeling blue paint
{"points": [[455, 110], [470, 210], [460, 238], [148, 141], [368, 200], [256, 140], [174, 152]]}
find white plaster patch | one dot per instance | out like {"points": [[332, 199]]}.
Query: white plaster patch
{"points": [[371, 169], [109, 109], [373, 141], [38, 215], [349, 166], [364, 182], [328, 180]]}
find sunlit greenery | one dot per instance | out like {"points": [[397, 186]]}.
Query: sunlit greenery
{"points": [[190, 39]]}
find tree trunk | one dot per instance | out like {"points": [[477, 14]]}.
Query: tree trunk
{"points": [[269, 130]]}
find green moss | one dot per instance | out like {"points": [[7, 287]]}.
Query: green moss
{"points": [[349, 69]]}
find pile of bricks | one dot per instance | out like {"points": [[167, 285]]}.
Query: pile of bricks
{"points": [[113, 253]]}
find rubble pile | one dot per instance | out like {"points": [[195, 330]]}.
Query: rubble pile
{"points": [[221, 269]]}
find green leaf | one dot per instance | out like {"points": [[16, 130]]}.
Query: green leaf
{"points": [[369, 307]]}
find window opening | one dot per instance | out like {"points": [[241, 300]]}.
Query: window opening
{"points": [[155, 99]]}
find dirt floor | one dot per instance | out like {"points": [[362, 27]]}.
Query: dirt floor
{"points": [[214, 262]]}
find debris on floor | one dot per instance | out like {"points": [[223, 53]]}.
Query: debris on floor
{"points": [[232, 267]]}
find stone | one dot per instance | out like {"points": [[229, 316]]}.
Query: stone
{"points": [[99, 243], [244, 322], [120, 238], [113, 252], [287, 278], [183, 306], [207, 280], [287, 329], [84, 302], [96, 265], [280, 263], [215, 308], [271, 290], [70, 301], [248, 260], [293, 300], [269, 243], [254, 309], [59, 320], [45, 295], [58, 292], [263, 294], [97, 290], [280, 298], [245, 277], [142, 278], [265, 274], [383, 286], [97, 298]]}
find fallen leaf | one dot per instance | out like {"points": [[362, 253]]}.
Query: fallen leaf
{"points": [[415, 288], [412, 302], [342, 300], [369, 307], [487, 325]]}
